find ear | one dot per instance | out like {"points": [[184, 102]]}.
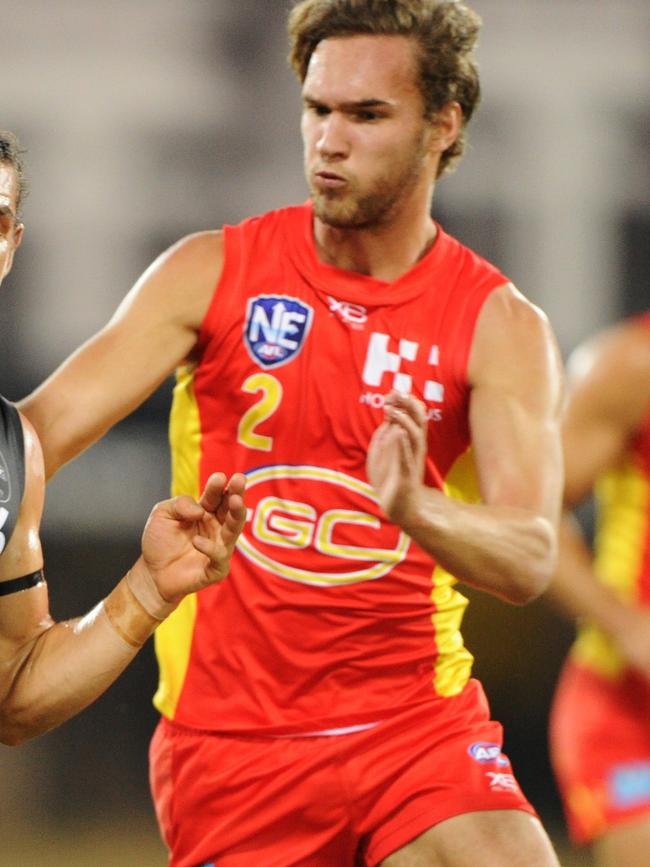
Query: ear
{"points": [[18, 235], [446, 126]]}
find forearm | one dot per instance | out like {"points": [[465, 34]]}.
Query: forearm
{"points": [[72, 663], [505, 551], [576, 589]]}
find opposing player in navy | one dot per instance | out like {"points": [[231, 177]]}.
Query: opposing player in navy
{"points": [[49, 671]]}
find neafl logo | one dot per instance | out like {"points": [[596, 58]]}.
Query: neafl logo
{"points": [[276, 329], [318, 526]]}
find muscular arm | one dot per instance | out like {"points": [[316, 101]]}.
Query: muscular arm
{"points": [[609, 396], [153, 330], [506, 545], [50, 671]]}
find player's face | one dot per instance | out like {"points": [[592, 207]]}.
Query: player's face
{"points": [[367, 144], [11, 231]]}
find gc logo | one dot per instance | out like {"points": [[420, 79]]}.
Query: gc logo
{"points": [[318, 526]]}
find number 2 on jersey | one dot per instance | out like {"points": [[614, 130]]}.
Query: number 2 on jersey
{"points": [[267, 404]]}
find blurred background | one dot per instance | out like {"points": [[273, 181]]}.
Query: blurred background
{"points": [[148, 119]]}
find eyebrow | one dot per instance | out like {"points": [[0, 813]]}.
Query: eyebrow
{"points": [[353, 105]]}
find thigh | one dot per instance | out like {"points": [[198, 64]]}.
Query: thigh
{"points": [[600, 751], [440, 761], [485, 839]]}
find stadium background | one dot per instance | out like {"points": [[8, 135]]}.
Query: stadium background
{"points": [[148, 119]]}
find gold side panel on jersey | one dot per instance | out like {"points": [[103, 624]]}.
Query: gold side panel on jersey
{"points": [[454, 661], [173, 638], [623, 500]]}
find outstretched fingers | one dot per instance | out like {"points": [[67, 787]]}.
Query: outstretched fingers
{"points": [[184, 509], [213, 492], [409, 404], [218, 492], [223, 520], [408, 415], [234, 520]]}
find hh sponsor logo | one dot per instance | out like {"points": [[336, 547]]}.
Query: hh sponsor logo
{"points": [[486, 753], [318, 526], [391, 363], [276, 328]]}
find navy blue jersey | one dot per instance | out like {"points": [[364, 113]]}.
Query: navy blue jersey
{"points": [[12, 469]]}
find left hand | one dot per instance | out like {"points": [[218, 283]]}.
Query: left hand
{"points": [[187, 545], [396, 455]]}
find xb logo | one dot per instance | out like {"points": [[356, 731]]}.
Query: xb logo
{"points": [[276, 328]]}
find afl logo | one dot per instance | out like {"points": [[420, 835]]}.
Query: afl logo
{"points": [[318, 526], [486, 753], [276, 329], [5, 480]]}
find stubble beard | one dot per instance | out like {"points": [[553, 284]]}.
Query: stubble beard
{"points": [[354, 209]]}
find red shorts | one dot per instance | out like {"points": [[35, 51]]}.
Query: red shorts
{"points": [[600, 749], [345, 800]]}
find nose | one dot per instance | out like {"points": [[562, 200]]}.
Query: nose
{"points": [[332, 141]]}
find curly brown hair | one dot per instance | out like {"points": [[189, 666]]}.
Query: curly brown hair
{"points": [[11, 155], [445, 32]]}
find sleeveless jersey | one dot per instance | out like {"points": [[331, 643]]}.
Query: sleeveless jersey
{"points": [[621, 544], [331, 616], [12, 469]]}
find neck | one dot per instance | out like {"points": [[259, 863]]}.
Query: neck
{"points": [[385, 251]]}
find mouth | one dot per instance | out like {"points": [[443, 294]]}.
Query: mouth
{"points": [[329, 180]]}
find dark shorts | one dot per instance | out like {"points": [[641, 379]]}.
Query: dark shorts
{"points": [[600, 749], [345, 800]]}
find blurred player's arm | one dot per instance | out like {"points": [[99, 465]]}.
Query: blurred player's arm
{"points": [[507, 544], [50, 671], [153, 330], [609, 395]]}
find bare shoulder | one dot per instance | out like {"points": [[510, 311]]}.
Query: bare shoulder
{"points": [[621, 350], [612, 370], [507, 308], [179, 284], [198, 250], [513, 339], [33, 453]]}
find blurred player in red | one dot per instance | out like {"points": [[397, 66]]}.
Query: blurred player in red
{"points": [[394, 402], [50, 671], [600, 725]]}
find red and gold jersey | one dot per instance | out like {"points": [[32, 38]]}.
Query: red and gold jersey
{"points": [[622, 543], [331, 616]]}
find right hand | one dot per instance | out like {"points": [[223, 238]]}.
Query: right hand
{"points": [[187, 546], [396, 455]]}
